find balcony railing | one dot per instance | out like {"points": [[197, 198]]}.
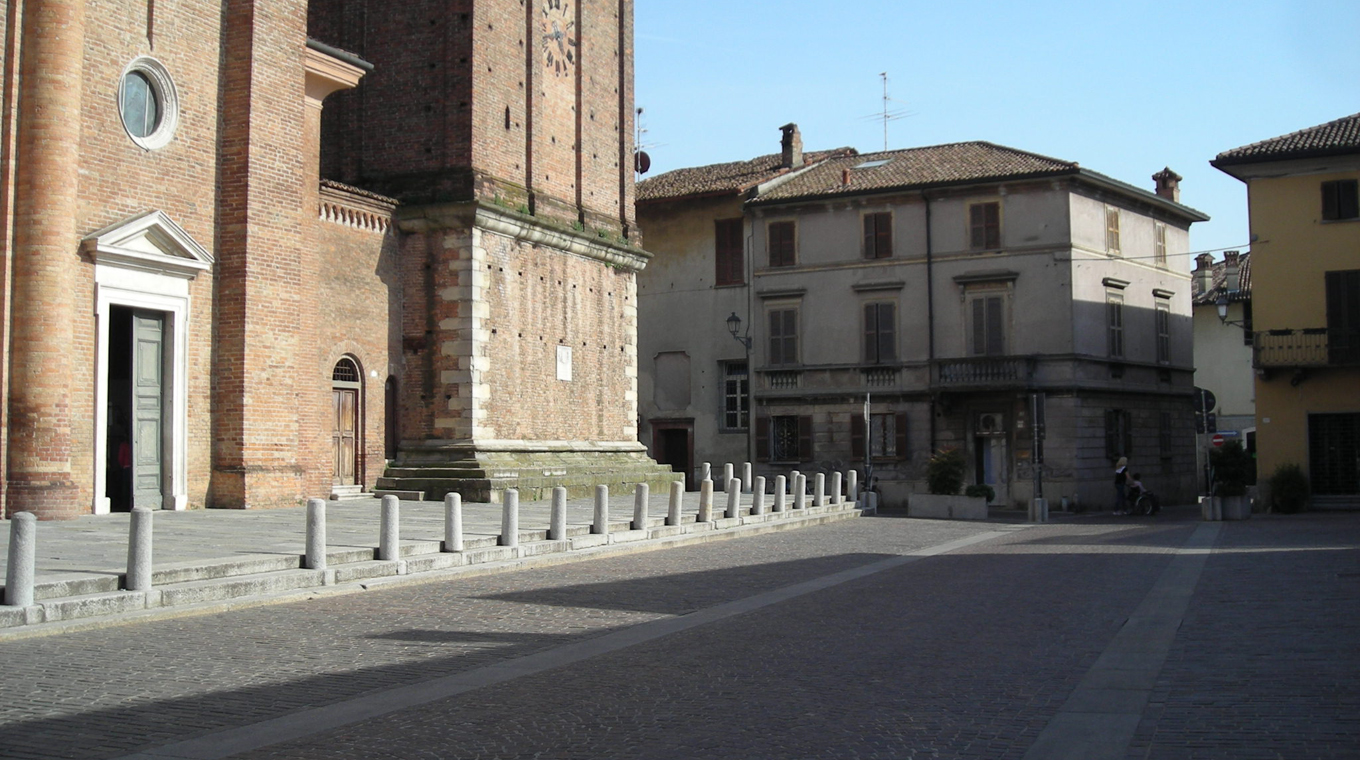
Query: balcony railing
{"points": [[983, 370], [1309, 347], [784, 380]]}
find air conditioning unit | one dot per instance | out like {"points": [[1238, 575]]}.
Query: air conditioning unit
{"points": [[990, 423]]}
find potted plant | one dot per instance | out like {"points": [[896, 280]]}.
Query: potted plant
{"points": [[1288, 489], [1232, 469], [944, 480]]}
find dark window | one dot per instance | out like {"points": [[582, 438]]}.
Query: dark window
{"points": [[880, 333], [1114, 322], [1340, 200], [784, 438], [1118, 434], [877, 236], [781, 244], [989, 326], [141, 105], [887, 436], [984, 222], [1246, 324], [729, 261], [783, 336], [1163, 332], [736, 396], [1343, 316]]}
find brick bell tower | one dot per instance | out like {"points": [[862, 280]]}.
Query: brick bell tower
{"points": [[504, 128]]}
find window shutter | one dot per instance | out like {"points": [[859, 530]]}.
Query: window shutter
{"points": [[883, 241], [979, 326], [856, 436], [776, 338], [1343, 315], [887, 333], [1348, 199], [870, 238], [996, 344], [992, 221], [790, 336], [762, 439], [1331, 207], [902, 451], [805, 438], [977, 227], [871, 333]]}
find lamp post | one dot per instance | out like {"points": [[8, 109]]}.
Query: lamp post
{"points": [[1222, 304], [734, 327]]}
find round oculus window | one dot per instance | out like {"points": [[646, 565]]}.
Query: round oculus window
{"points": [[147, 103]]}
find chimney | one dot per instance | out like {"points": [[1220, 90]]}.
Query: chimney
{"points": [[1204, 272], [792, 145], [1168, 184], [1232, 271]]}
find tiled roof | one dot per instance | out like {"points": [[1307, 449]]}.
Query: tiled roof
{"points": [[1218, 273], [933, 165], [733, 177], [1340, 136]]}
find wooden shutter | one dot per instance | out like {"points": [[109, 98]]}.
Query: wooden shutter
{"points": [[871, 333], [762, 439], [901, 433], [979, 326], [805, 438], [992, 218], [996, 343], [857, 447], [1343, 315], [977, 227], [790, 336], [877, 236], [776, 338], [729, 261], [781, 244], [887, 333]]}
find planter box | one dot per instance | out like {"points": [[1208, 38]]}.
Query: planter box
{"points": [[942, 507], [1236, 507]]}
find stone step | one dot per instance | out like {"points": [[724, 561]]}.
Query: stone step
{"points": [[383, 489], [340, 493]]}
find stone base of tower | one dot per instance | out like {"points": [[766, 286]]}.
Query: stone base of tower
{"points": [[484, 472]]}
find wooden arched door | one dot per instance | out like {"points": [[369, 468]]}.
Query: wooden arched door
{"points": [[346, 382]]}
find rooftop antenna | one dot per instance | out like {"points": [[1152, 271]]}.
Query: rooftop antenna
{"points": [[642, 162], [888, 114]]}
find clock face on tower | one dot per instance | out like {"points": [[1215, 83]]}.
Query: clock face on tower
{"points": [[558, 37]]}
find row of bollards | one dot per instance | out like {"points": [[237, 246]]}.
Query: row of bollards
{"points": [[20, 570], [755, 485]]}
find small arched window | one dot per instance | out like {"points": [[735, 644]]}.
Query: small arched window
{"points": [[346, 371]]}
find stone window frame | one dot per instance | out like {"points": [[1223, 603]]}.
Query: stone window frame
{"points": [[167, 97]]}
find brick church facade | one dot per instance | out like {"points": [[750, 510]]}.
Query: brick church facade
{"points": [[262, 250]]}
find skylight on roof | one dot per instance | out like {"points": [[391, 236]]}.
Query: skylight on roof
{"points": [[872, 164]]}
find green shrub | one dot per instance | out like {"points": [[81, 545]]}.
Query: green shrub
{"points": [[1288, 489], [1232, 469], [980, 489], [944, 473]]}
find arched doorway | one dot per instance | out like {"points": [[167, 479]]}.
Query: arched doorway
{"points": [[346, 382]]}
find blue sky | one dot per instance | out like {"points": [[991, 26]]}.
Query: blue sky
{"points": [[1122, 88]]}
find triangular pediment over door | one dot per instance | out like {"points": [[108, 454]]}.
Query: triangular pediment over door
{"points": [[150, 241]]}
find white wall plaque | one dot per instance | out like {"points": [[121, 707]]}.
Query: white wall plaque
{"points": [[564, 363]]}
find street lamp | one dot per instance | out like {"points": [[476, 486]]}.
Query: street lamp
{"points": [[1222, 304], [734, 326]]}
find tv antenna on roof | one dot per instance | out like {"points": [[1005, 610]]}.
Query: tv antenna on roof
{"points": [[888, 114]]}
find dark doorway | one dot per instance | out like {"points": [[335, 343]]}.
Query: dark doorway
{"points": [[345, 386], [1334, 454], [136, 432], [673, 444]]}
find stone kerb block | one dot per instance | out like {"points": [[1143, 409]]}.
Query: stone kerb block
{"points": [[942, 507]]}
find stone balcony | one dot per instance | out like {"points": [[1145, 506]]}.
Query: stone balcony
{"points": [[1307, 347]]}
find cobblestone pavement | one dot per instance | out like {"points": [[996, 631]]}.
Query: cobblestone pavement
{"points": [[965, 654]]}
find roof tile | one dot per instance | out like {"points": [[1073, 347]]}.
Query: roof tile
{"points": [[732, 177], [1340, 136]]}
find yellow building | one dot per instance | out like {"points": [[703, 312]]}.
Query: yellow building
{"points": [[1305, 231]]}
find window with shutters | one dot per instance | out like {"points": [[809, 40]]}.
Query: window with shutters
{"points": [[886, 439], [1163, 317], [1159, 244], [987, 324], [783, 336], [1340, 200], [781, 236], [1343, 316], [880, 333], [878, 235], [1118, 434], [729, 259], [736, 396], [784, 438], [984, 225], [1114, 324], [1112, 230]]}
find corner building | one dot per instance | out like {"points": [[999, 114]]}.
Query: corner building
{"points": [[261, 250]]}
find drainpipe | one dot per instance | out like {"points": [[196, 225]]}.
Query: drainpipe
{"points": [[930, 319]]}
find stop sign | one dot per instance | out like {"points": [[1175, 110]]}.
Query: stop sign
{"points": [[1217, 440]]}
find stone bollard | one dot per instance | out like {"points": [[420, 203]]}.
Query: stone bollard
{"points": [[601, 524], [746, 482], [758, 496], [510, 518], [1038, 510], [727, 475], [733, 498], [793, 479], [453, 522], [705, 472], [557, 521], [836, 497], [705, 501], [800, 491], [872, 501], [676, 503], [779, 495], [389, 537], [316, 534], [852, 485], [139, 550], [641, 495], [819, 490], [23, 550]]}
